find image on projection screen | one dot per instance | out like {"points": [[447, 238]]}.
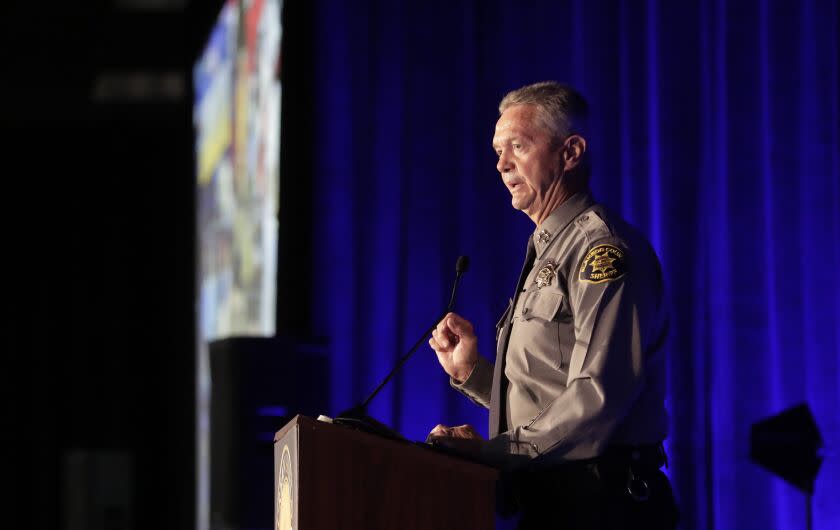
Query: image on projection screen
{"points": [[237, 124]]}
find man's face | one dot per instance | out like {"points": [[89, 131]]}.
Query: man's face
{"points": [[530, 166]]}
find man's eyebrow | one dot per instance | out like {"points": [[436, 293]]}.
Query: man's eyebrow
{"points": [[518, 137]]}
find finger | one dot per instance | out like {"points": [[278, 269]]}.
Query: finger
{"points": [[459, 325], [466, 431], [462, 431], [440, 430], [447, 331], [440, 338], [440, 328], [445, 337]]}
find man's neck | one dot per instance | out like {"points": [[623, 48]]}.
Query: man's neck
{"points": [[554, 199]]}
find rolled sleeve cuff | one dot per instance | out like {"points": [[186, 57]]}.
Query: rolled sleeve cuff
{"points": [[506, 452], [478, 384], [512, 443]]}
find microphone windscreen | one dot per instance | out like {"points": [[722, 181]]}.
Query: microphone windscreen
{"points": [[462, 264]]}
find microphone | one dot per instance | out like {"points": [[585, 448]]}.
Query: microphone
{"points": [[461, 267], [358, 415]]}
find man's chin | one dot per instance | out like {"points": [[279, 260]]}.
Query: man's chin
{"points": [[520, 204]]}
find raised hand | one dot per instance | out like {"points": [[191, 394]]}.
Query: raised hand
{"points": [[456, 346]]}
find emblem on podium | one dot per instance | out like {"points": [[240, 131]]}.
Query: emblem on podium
{"points": [[285, 489]]}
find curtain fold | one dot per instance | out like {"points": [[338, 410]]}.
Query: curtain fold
{"points": [[715, 128]]}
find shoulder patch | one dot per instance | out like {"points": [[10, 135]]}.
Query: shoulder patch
{"points": [[603, 263]]}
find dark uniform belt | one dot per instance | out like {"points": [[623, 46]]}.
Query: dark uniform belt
{"points": [[641, 456], [622, 488], [627, 470], [648, 457]]}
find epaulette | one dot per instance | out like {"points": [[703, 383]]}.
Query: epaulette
{"points": [[592, 226]]}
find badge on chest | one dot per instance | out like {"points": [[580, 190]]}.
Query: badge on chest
{"points": [[546, 274]]}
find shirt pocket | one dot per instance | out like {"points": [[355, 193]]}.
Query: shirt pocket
{"points": [[546, 328], [541, 304]]}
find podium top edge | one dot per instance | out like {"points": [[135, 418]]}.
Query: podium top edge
{"points": [[299, 419], [346, 434]]}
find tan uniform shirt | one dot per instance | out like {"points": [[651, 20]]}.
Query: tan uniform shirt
{"points": [[583, 365]]}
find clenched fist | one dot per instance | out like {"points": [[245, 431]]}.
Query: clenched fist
{"points": [[456, 346]]}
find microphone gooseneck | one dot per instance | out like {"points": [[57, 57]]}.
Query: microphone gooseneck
{"points": [[461, 267]]}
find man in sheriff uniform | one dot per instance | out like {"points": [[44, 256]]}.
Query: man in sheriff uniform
{"points": [[576, 393]]}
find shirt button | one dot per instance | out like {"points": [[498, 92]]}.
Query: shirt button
{"points": [[584, 218]]}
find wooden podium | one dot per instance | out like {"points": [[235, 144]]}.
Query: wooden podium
{"points": [[333, 477]]}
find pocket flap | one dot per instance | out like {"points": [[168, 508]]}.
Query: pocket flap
{"points": [[542, 304]]}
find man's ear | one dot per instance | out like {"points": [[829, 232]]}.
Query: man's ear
{"points": [[573, 150]]}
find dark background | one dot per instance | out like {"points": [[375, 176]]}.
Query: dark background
{"points": [[715, 130], [99, 210]]}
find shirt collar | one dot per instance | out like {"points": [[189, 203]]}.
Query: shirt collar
{"points": [[557, 220]]}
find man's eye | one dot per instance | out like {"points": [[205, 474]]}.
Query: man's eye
{"points": [[517, 146]]}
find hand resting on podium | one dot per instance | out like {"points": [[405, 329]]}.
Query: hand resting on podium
{"points": [[462, 439]]}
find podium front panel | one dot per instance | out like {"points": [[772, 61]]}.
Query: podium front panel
{"points": [[333, 477]]}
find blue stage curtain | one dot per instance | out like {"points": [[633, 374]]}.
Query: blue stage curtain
{"points": [[715, 129]]}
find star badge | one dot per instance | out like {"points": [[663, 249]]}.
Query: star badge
{"points": [[602, 262], [546, 274]]}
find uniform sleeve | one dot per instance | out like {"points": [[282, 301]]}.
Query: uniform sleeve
{"points": [[479, 383], [606, 371]]}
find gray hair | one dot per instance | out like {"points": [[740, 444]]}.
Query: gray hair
{"points": [[561, 110]]}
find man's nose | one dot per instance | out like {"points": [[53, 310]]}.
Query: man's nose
{"points": [[504, 165]]}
